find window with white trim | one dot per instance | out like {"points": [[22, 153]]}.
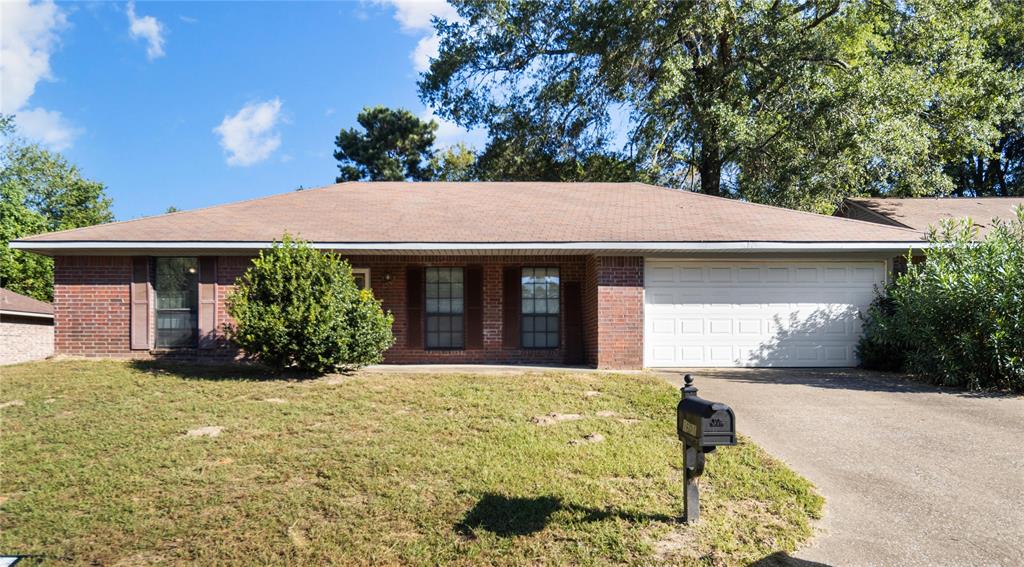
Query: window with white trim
{"points": [[361, 277]]}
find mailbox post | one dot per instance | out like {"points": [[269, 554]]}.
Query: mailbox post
{"points": [[702, 426]]}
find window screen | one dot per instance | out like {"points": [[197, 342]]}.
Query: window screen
{"points": [[177, 302], [540, 308], [445, 308]]}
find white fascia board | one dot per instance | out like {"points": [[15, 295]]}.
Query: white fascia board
{"points": [[488, 246], [25, 314]]}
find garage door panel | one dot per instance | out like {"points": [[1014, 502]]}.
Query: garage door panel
{"points": [[756, 314]]}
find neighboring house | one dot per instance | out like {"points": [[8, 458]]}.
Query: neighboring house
{"points": [[924, 213], [612, 275], [26, 328]]}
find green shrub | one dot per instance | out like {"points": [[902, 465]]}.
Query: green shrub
{"points": [[958, 317], [297, 307]]}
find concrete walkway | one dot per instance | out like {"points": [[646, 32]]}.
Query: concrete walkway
{"points": [[913, 475]]}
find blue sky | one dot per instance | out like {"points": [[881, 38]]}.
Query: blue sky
{"points": [[195, 104]]}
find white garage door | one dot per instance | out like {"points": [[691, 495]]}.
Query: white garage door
{"points": [[755, 313]]}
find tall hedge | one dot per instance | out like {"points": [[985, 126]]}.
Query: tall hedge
{"points": [[298, 307], [958, 317]]}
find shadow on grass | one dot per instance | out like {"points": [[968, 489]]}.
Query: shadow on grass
{"points": [[189, 369], [508, 517], [855, 379], [783, 559]]}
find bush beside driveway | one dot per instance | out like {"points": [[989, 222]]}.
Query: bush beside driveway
{"points": [[143, 463]]}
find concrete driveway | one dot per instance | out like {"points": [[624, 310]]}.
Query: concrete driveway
{"points": [[913, 475]]}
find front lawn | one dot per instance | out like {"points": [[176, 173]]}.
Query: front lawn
{"points": [[98, 466]]}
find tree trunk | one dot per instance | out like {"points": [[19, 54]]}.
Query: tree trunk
{"points": [[710, 166]]}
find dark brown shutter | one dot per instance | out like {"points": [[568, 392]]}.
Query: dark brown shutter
{"points": [[140, 304], [208, 302], [474, 293], [511, 298], [414, 307], [573, 303]]}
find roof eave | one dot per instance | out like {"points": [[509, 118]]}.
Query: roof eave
{"points": [[13, 313], [51, 248]]}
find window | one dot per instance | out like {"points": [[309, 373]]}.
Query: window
{"points": [[361, 277], [444, 308], [177, 302], [541, 308]]}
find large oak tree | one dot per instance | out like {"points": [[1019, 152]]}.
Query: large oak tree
{"points": [[797, 103]]}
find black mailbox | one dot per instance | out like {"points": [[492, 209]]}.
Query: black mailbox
{"points": [[706, 424], [702, 426]]}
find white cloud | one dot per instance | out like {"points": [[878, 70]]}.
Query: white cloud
{"points": [[414, 17], [426, 49], [249, 137], [149, 29], [28, 37], [449, 133], [48, 127], [188, 19]]}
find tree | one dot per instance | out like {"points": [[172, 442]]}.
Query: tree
{"points": [[394, 146], [298, 307], [958, 317], [455, 163], [999, 171], [779, 101], [516, 159], [40, 192]]}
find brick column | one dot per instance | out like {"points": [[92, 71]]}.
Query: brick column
{"points": [[614, 312]]}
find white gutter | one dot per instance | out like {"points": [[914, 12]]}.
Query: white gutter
{"points": [[25, 314], [774, 246]]}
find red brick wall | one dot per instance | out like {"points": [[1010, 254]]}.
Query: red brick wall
{"points": [[92, 306], [616, 314], [392, 296]]}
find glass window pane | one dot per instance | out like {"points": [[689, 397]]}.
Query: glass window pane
{"points": [[553, 306], [540, 307], [540, 291], [176, 285], [444, 308]]}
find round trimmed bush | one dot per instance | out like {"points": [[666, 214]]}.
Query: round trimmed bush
{"points": [[297, 307]]}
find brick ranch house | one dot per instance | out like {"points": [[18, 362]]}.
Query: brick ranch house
{"points": [[611, 275]]}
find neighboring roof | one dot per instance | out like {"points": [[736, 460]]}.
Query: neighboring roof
{"points": [[16, 304], [429, 216], [921, 213]]}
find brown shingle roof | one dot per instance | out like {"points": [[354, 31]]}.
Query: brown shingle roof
{"points": [[488, 213], [921, 213], [17, 303]]}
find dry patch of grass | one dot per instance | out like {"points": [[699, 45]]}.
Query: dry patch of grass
{"points": [[369, 469]]}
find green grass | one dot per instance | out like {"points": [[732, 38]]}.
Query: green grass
{"points": [[369, 469]]}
